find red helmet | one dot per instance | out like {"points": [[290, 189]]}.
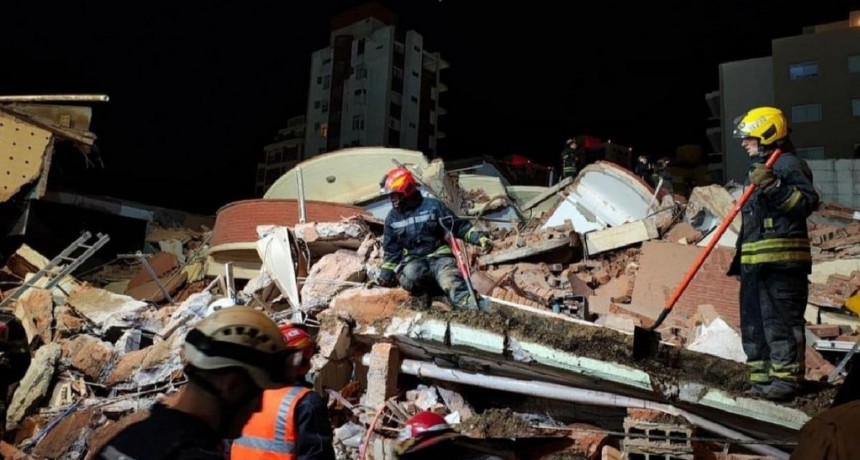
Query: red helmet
{"points": [[423, 430], [400, 180], [298, 339]]}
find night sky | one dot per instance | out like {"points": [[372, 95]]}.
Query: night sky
{"points": [[197, 90]]}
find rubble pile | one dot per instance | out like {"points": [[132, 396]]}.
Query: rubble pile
{"points": [[549, 366]]}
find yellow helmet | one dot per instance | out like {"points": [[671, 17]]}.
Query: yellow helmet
{"points": [[240, 337], [767, 124]]}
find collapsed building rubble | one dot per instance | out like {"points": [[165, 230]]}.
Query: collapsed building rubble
{"points": [[549, 367]]}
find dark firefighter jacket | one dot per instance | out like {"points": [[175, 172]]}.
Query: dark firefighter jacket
{"points": [[14, 354], [773, 229], [418, 232]]}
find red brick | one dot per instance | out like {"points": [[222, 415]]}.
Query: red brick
{"points": [[237, 222], [162, 263], [824, 331]]}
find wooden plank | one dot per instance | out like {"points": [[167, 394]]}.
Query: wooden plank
{"points": [[620, 236], [83, 137], [521, 253], [547, 193], [56, 98]]}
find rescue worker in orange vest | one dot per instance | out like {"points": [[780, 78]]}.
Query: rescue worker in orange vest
{"points": [[232, 355], [294, 422]]}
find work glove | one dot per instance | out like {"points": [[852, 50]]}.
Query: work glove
{"points": [[384, 279], [762, 177], [485, 242]]}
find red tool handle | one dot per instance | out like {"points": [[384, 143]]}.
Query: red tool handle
{"points": [[707, 251]]}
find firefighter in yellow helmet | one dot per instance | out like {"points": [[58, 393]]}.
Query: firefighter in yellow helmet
{"points": [[773, 257]]}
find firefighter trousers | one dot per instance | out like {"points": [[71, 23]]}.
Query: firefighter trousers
{"points": [[417, 274], [773, 301]]}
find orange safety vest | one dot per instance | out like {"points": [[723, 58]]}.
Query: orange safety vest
{"points": [[270, 434]]}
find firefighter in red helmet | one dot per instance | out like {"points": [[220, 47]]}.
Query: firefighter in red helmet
{"points": [[414, 243]]}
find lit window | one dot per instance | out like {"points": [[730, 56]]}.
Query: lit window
{"points": [[803, 70], [854, 63], [855, 107], [805, 113]]}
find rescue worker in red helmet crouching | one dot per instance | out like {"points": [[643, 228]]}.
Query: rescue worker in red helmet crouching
{"points": [[415, 245], [294, 422]]}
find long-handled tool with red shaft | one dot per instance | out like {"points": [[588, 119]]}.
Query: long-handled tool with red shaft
{"points": [[460, 258], [646, 340]]}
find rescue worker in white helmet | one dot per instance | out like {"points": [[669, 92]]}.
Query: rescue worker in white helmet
{"points": [[232, 356], [414, 244], [773, 256]]}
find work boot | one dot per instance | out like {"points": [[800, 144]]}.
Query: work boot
{"points": [[781, 390], [775, 390]]}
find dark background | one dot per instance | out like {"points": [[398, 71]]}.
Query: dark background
{"points": [[197, 88]]}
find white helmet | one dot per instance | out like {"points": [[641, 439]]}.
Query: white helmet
{"points": [[241, 337]]}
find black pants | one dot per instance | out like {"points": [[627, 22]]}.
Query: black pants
{"points": [[773, 301], [417, 275]]}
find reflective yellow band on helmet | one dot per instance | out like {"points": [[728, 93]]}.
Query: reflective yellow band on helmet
{"points": [[776, 250], [389, 265], [791, 202]]}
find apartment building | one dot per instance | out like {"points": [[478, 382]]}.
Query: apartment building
{"points": [[374, 85], [282, 154], [813, 77]]}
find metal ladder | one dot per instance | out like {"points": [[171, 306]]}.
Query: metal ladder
{"points": [[65, 257]]}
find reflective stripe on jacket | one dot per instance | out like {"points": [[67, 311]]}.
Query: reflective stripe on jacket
{"points": [[773, 229], [420, 232], [270, 434]]}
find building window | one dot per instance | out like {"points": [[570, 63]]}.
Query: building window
{"points": [[360, 72], [324, 106], [414, 99], [316, 104], [361, 44], [319, 80], [855, 107], [397, 72], [398, 47], [327, 82], [803, 70], [854, 63], [326, 61], [360, 96], [416, 48], [323, 128], [396, 98], [805, 113], [358, 122], [415, 74], [811, 153], [412, 124], [394, 123]]}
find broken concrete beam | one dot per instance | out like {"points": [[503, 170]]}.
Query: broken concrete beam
{"points": [[62, 437], [334, 342], [105, 309], [716, 200], [312, 232], [35, 309], [617, 237], [509, 255], [323, 280], [88, 354], [382, 374], [27, 261], [367, 305], [35, 384]]}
